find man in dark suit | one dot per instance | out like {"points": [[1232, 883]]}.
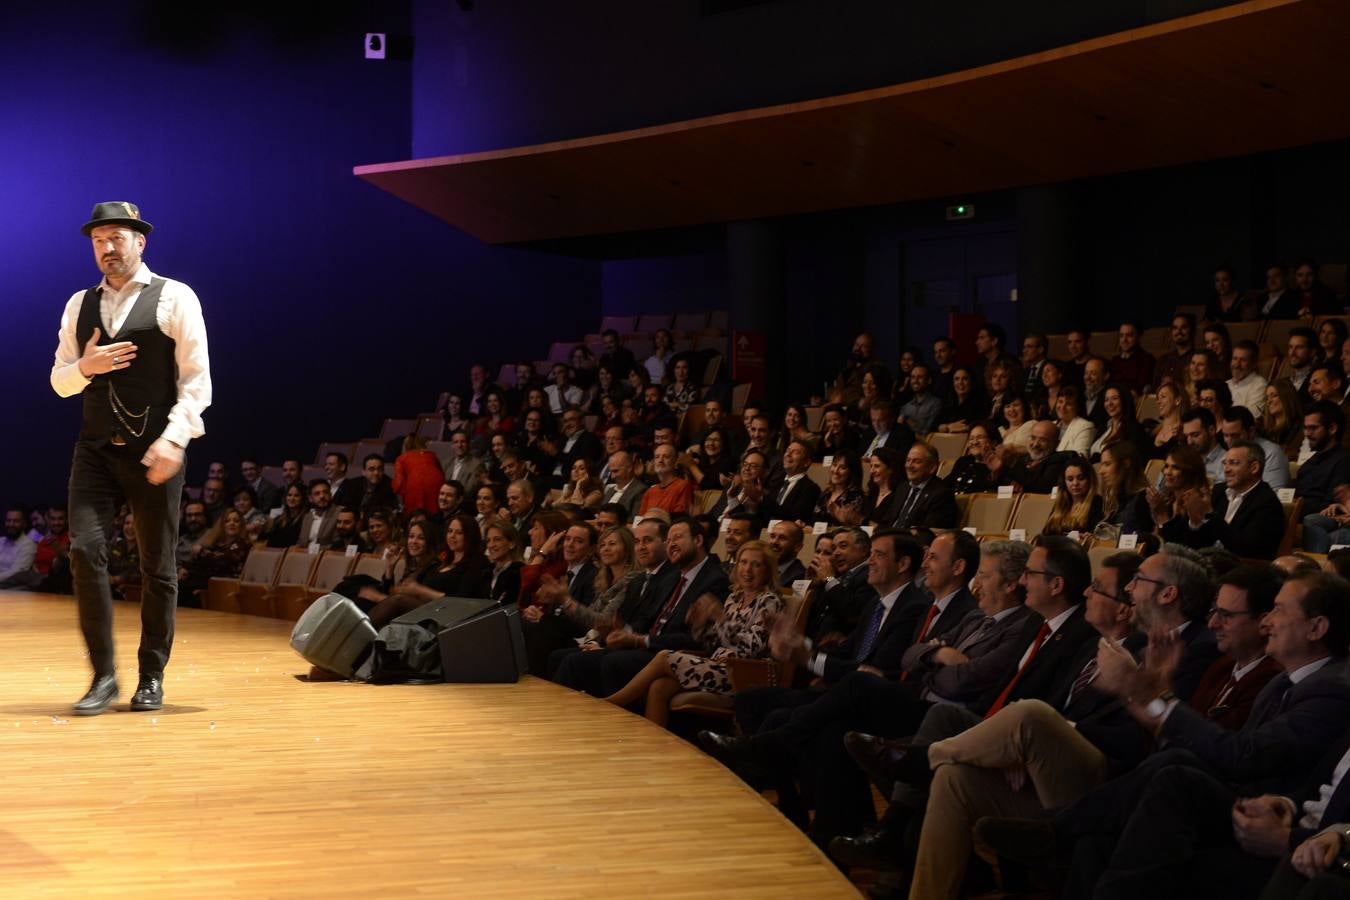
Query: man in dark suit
{"points": [[267, 495], [796, 497], [375, 490], [1242, 514], [809, 736], [785, 537], [345, 491], [1038, 472], [929, 502], [886, 431], [841, 599], [576, 443], [1150, 827], [625, 488], [660, 623], [549, 628], [1095, 374], [1313, 831]]}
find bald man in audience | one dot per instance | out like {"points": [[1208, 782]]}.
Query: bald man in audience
{"points": [[786, 540]]}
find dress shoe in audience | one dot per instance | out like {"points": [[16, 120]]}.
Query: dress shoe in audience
{"points": [[733, 752], [149, 693], [101, 692], [879, 848], [1027, 841], [887, 761]]}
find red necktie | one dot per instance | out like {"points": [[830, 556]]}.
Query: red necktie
{"points": [[1035, 648], [923, 633], [667, 609]]}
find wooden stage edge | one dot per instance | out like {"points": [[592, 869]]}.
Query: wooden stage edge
{"points": [[250, 783]]}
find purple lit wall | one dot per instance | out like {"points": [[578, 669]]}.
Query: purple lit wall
{"points": [[330, 304]]}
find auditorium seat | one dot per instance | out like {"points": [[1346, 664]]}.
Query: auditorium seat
{"points": [[369, 564], [1033, 511], [1156, 340], [820, 474], [1099, 552], [740, 395], [394, 428], [705, 500], [945, 467], [989, 513], [327, 447], [1153, 470], [1293, 526], [1245, 331], [311, 472], [1103, 343], [650, 322], [808, 547], [621, 324], [1277, 332], [257, 577], [690, 323], [1147, 408], [718, 319], [948, 446], [692, 422], [288, 593]]}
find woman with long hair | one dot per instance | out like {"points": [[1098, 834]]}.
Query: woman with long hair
{"points": [[1052, 379], [1219, 343], [1122, 422], [1078, 507], [739, 628], [882, 503], [875, 385], [545, 557], [419, 552], [1183, 472], [495, 419], [284, 530], [966, 404], [463, 572], [1282, 422], [794, 429], [1124, 498], [617, 569], [841, 502], [1173, 402], [486, 502], [1002, 384], [221, 554], [681, 393], [454, 415], [1331, 335], [583, 487]]}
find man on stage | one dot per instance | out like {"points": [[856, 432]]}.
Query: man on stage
{"points": [[135, 347]]}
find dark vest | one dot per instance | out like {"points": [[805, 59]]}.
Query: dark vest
{"points": [[131, 404]]}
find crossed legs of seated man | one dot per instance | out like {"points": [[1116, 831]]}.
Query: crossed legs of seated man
{"points": [[1023, 760]]}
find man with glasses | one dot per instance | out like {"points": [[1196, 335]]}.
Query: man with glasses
{"points": [[1242, 514], [1234, 680]]}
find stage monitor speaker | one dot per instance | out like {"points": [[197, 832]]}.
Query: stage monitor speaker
{"points": [[333, 634], [490, 647]]}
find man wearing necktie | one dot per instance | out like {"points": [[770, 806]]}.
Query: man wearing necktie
{"points": [[930, 502], [1149, 827]]}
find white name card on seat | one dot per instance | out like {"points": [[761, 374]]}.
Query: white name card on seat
{"points": [[1005, 492], [971, 530], [827, 461], [1018, 534], [1054, 492], [820, 527], [773, 523], [800, 586], [1073, 536], [352, 550], [274, 513], [1286, 495], [313, 547], [868, 529], [1128, 541]]}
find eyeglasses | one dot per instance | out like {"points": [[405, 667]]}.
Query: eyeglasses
{"points": [[1044, 573], [1096, 588], [1138, 577], [1226, 615]]}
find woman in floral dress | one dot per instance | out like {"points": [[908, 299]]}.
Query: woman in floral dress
{"points": [[740, 628]]}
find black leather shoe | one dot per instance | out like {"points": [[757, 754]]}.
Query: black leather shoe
{"points": [[886, 761], [149, 693], [728, 750], [101, 692], [876, 849], [1027, 841]]}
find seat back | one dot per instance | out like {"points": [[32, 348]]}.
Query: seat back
{"points": [[691, 322], [1153, 470], [369, 564], [989, 513], [1293, 521], [328, 447], [393, 428], [261, 565], [621, 324], [948, 446], [332, 567], [296, 567], [647, 324], [1033, 511]]}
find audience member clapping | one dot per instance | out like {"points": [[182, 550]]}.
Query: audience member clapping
{"points": [[841, 501]]}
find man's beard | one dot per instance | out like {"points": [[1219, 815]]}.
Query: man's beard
{"points": [[13, 533]]}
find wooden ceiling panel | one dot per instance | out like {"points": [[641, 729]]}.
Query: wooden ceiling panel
{"points": [[1251, 77]]}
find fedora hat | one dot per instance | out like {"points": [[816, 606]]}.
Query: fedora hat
{"points": [[116, 212]]}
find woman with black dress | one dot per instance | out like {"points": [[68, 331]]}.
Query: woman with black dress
{"points": [[1124, 490], [1122, 422], [463, 573], [965, 406], [882, 503], [970, 473], [284, 530], [1077, 505]]}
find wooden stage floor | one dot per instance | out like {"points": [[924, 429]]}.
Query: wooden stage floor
{"points": [[250, 783]]}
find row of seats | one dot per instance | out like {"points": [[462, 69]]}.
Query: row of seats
{"points": [[280, 583], [1271, 335]]}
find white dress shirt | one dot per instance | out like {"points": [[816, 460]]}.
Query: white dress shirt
{"points": [[1249, 392], [179, 315]]}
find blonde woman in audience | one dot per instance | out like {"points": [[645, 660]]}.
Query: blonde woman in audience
{"points": [[663, 348], [1282, 422], [1078, 506], [246, 502], [583, 487], [1183, 472], [221, 554], [1123, 489], [616, 571], [738, 629], [1076, 434], [1203, 366], [1173, 402], [1017, 433]]}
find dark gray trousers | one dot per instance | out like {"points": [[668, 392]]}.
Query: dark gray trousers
{"points": [[100, 478]]}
